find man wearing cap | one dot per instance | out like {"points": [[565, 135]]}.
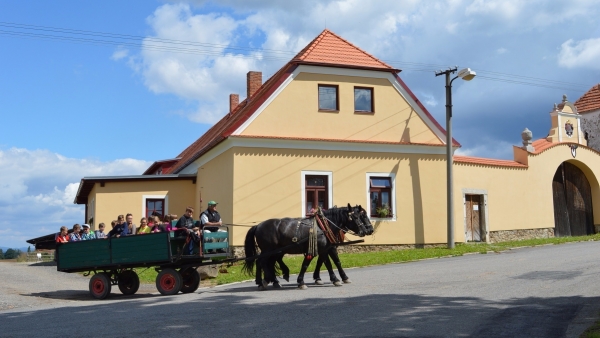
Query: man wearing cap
{"points": [[210, 218], [87, 234]]}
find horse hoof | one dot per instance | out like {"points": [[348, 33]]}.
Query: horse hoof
{"points": [[286, 277], [337, 283], [319, 282], [261, 288], [347, 281], [265, 283], [276, 286], [302, 287]]}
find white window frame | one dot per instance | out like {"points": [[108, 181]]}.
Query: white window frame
{"points": [[150, 197], [368, 195], [303, 175]]}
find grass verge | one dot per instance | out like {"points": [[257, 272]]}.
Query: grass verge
{"points": [[592, 331], [234, 272]]}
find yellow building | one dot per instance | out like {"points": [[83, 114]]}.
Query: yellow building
{"points": [[334, 126]]}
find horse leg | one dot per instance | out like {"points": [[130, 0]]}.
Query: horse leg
{"points": [[317, 273], [258, 279], [284, 268], [332, 276], [305, 265], [273, 276], [267, 266], [336, 260]]}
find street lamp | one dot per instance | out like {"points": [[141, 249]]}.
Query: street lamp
{"points": [[466, 74]]}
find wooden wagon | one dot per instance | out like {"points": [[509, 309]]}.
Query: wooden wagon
{"points": [[113, 260]]}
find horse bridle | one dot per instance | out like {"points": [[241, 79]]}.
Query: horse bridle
{"points": [[353, 217]]}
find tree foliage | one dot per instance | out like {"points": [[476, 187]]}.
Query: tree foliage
{"points": [[12, 253], [1, 254]]}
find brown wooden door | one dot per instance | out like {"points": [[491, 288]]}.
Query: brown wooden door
{"points": [[473, 215], [572, 196]]}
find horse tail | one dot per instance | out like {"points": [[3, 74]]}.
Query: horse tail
{"points": [[250, 250]]}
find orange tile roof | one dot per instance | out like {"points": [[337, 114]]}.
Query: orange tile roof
{"points": [[487, 161], [326, 49], [542, 145], [589, 101], [329, 48]]}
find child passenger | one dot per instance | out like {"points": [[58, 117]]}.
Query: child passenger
{"points": [[100, 232], [76, 234], [87, 234], [144, 228], [63, 236]]}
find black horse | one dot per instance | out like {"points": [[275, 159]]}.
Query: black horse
{"points": [[333, 254], [276, 237]]}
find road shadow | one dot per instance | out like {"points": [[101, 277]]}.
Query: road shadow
{"points": [[237, 312], [76, 295]]}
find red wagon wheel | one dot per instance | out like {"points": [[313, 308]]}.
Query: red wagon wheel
{"points": [[100, 285], [168, 282]]}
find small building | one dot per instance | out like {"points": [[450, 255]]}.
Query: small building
{"points": [[335, 125]]}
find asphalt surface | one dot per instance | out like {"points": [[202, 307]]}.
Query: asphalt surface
{"points": [[549, 291]]}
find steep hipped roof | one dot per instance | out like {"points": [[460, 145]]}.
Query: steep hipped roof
{"points": [[589, 101], [329, 48]]}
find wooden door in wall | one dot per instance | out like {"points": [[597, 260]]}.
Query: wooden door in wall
{"points": [[473, 213], [572, 197]]}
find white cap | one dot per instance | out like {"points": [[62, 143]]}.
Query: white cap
{"points": [[85, 226]]}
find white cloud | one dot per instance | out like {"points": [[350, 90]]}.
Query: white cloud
{"points": [[428, 99], [501, 50], [119, 54], [37, 189], [584, 53]]}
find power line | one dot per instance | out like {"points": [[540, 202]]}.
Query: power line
{"points": [[219, 50]]}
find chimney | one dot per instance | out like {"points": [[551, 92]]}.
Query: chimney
{"points": [[254, 81], [234, 100]]}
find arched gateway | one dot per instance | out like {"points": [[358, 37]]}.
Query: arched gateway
{"points": [[572, 195]]}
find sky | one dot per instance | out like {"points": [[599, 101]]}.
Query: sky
{"points": [[107, 87]]}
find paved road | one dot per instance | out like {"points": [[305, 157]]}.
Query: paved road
{"points": [[550, 291]]}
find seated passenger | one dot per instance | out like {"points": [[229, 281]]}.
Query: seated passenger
{"points": [[187, 220], [144, 228], [120, 229], [87, 234], [63, 235], [211, 221], [158, 225], [100, 232], [131, 228], [75, 236]]}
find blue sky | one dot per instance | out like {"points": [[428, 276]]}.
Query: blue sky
{"points": [[71, 109]]}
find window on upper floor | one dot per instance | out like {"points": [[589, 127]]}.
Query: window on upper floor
{"points": [[363, 100], [328, 97]]}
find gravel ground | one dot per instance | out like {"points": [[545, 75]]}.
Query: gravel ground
{"points": [[26, 285]]}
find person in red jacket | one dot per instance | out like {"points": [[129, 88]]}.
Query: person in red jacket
{"points": [[63, 236]]}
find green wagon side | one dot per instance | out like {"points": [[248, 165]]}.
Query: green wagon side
{"points": [[113, 260]]}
